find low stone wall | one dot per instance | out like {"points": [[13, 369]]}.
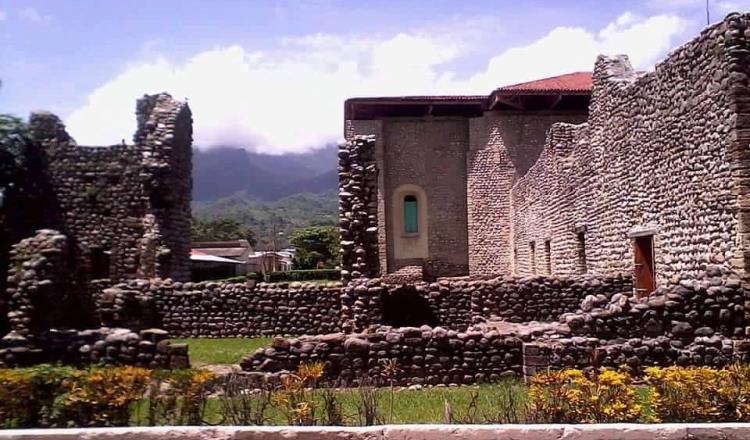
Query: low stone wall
{"points": [[620, 431], [541, 298], [112, 346], [458, 302], [422, 356], [712, 302], [221, 309], [635, 353]]}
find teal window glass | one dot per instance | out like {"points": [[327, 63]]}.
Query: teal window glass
{"points": [[411, 220]]}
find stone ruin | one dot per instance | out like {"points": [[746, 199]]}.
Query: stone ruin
{"points": [[551, 278], [93, 216], [625, 243]]}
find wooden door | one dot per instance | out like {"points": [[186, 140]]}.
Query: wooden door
{"points": [[644, 276]]}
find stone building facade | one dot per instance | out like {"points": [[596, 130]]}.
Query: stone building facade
{"points": [[628, 173], [655, 182], [457, 157]]}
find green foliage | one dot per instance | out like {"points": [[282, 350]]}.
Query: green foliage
{"points": [[305, 275], [100, 396], [220, 230], [316, 247], [265, 218], [179, 397], [15, 140], [27, 395]]}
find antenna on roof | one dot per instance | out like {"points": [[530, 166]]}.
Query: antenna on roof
{"points": [[708, 15]]}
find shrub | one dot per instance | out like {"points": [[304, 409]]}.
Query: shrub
{"points": [[16, 390], [101, 396], [700, 394], [294, 398], [179, 397], [305, 275], [570, 396], [243, 403], [27, 395]]}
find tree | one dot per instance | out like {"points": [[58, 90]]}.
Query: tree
{"points": [[316, 246], [14, 144], [221, 229]]}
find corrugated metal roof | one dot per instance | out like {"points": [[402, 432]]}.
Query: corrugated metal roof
{"points": [[213, 259]]}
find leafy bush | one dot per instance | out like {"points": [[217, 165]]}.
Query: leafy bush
{"points": [[179, 397], [295, 398], [16, 390], [305, 275], [27, 395], [700, 394], [570, 396], [101, 396], [242, 404]]}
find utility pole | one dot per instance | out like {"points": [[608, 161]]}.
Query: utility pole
{"points": [[708, 14], [273, 257]]}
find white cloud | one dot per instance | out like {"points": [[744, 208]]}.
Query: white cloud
{"points": [[291, 98], [717, 8], [34, 16], [567, 49], [3, 15]]}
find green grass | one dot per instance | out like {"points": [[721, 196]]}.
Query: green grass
{"points": [[409, 406], [421, 406], [205, 351]]}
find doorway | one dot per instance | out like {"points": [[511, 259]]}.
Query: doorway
{"points": [[644, 274]]}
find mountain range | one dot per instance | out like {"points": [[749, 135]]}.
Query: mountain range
{"points": [[224, 171], [268, 193]]}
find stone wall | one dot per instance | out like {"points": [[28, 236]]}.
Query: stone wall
{"points": [[503, 146], [430, 154], [112, 346], [457, 303], [113, 213], [358, 208], [656, 156], [635, 353], [423, 356], [540, 298], [222, 310], [138, 195], [712, 302], [37, 276]]}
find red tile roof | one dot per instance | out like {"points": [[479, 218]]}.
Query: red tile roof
{"points": [[577, 82]]}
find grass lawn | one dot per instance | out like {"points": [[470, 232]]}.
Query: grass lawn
{"points": [[409, 406], [468, 404], [205, 351]]}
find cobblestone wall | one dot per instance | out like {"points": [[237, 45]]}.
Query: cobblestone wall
{"points": [[358, 208], [220, 309], [456, 303], [503, 146], [657, 155], [117, 213], [138, 195], [422, 355]]}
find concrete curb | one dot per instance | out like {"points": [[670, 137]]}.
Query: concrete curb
{"points": [[678, 431]]}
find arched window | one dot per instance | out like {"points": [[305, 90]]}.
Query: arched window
{"points": [[411, 218]]}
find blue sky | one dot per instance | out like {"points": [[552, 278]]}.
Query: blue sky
{"points": [[272, 75]]}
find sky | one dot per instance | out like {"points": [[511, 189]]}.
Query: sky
{"points": [[272, 75]]}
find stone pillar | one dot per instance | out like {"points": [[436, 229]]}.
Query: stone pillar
{"points": [[36, 283], [358, 209]]}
